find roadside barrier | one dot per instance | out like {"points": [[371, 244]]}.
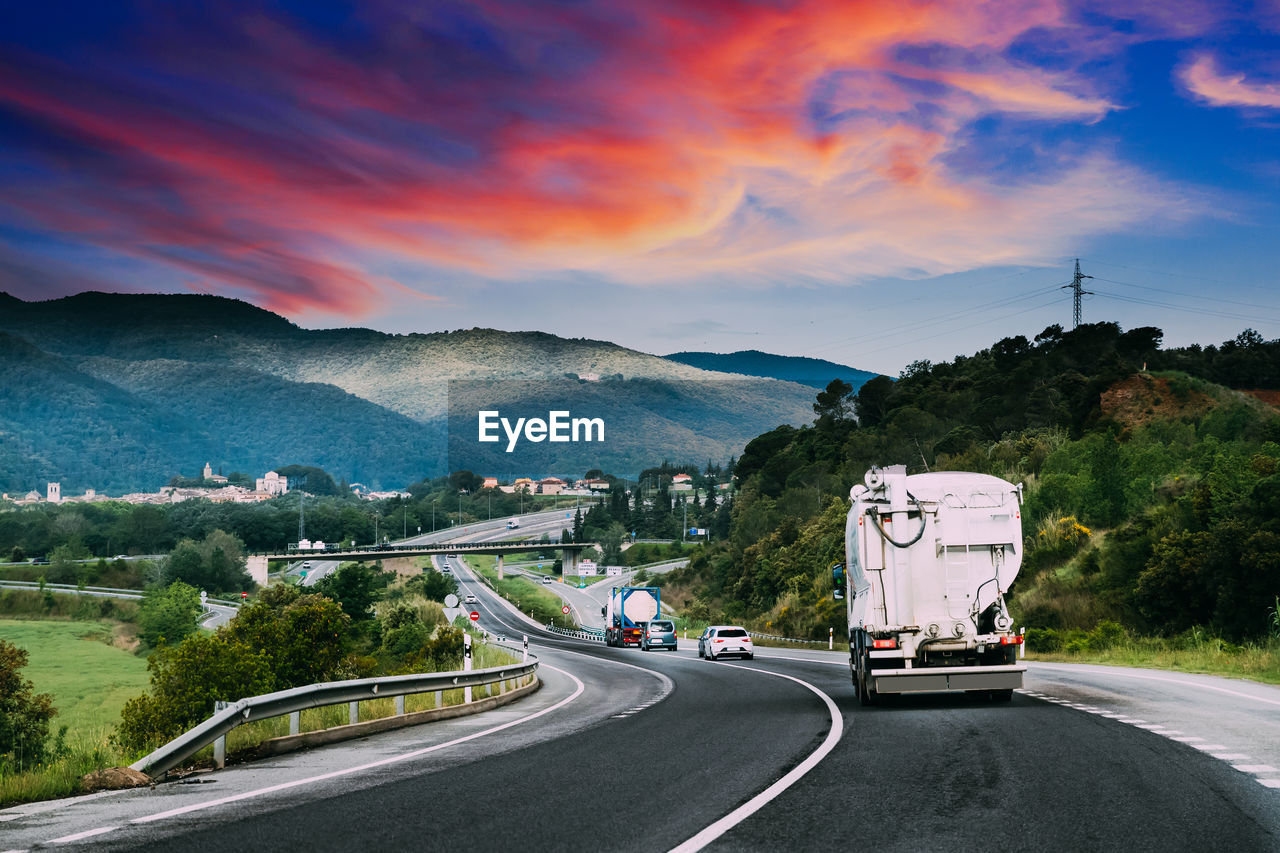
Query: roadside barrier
{"points": [[294, 701], [580, 634], [788, 639]]}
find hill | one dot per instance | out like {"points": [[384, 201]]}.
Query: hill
{"points": [[120, 392], [814, 372], [1152, 497]]}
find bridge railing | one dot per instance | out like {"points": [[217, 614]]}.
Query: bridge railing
{"points": [[300, 699]]}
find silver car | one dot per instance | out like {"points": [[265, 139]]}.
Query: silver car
{"points": [[721, 640], [658, 634]]}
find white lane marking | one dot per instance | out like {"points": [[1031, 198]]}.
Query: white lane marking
{"points": [[1254, 768], [284, 786], [1210, 747], [759, 801], [1178, 681], [1185, 739], [1270, 783], [1153, 727], [1169, 732], [88, 833], [1232, 756]]}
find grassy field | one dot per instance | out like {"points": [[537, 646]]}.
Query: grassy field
{"points": [[90, 681], [1211, 657]]}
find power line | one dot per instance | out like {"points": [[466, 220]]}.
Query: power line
{"points": [[1203, 312]]}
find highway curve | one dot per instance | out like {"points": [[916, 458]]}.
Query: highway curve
{"points": [[623, 749]]}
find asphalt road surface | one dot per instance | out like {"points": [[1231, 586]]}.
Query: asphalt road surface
{"points": [[627, 750]]}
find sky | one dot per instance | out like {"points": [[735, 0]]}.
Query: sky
{"points": [[867, 182]]}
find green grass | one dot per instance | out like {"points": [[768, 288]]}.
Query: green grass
{"points": [[1209, 656], [531, 597], [90, 681]]}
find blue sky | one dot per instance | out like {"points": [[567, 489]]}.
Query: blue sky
{"points": [[867, 182]]}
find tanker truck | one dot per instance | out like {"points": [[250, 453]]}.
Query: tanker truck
{"points": [[626, 611], [928, 560]]}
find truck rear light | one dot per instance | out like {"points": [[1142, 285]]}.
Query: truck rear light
{"points": [[884, 644], [1015, 640]]}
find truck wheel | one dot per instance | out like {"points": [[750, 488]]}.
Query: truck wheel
{"points": [[866, 695]]}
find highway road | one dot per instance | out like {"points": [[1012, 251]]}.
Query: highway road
{"points": [[622, 749]]}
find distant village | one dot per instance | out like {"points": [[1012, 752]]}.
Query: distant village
{"points": [[214, 487]]}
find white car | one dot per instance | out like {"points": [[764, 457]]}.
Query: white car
{"points": [[471, 599], [720, 640]]}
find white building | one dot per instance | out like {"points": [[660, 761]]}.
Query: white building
{"points": [[54, 493], [271, 483]]}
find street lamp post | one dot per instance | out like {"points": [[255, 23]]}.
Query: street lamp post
{"points": [[433, 514], [405, 523]]}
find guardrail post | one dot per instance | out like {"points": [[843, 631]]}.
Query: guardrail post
{"points": [[400, 706], [295, 722], [466, 665], [353, 712], [439, 698]]}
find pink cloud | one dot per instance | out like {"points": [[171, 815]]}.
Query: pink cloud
{"points": [[1203, 78]]}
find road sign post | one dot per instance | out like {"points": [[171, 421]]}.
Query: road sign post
{"points": [[466, 659]]}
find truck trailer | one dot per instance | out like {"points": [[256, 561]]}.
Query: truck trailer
{"points": [[627, 611], [928, 560]]}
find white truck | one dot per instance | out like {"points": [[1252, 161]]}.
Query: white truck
{"points": [[928, 559]]}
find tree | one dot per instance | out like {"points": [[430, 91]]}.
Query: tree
{"points": [[24, 715], [169, 615], [356, 587], [833, 404]]}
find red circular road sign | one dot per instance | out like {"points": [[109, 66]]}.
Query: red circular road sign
{"points": [[565, 610], [475, 615]]}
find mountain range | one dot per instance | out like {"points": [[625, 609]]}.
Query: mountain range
{"points": [[815, 372], [121, 392]]}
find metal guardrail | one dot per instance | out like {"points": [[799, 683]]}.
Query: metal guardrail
{"points": [[70, 587], [299, 699], [788, 639], [581, 634]]}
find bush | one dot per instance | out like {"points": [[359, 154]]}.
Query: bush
{"points": [[186, 680], [24, 715]]}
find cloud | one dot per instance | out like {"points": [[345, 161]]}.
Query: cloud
{"points": [[1202, 77], [261, 155]]}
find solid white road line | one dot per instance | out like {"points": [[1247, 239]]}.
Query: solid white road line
{"points": [[759, 801], [297, 783]]}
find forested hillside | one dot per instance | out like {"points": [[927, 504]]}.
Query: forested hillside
{"points": [[120, 392], [1152, 493], [816, 372]]}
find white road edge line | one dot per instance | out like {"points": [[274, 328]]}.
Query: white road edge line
{"points": [[284, 786], [88, 833], [759, 801]]}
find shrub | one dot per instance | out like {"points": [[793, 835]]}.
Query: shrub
{"points": [[24, 715], [186, 680]]}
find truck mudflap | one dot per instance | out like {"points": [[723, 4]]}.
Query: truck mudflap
{"points": [[940, 679]]}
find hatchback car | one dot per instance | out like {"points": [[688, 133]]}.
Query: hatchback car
{"points": [[658, 634], [721, 640]]}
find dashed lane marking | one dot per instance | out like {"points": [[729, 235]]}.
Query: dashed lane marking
{"points": [[1254, 768], [88, 833]]}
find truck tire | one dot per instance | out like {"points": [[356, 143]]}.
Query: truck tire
{"points": [[866, 695]]}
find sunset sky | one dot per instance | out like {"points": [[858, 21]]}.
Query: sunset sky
{"points": [[867, 182]]}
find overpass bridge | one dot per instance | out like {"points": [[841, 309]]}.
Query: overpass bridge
{"points": [[569, 553]]}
